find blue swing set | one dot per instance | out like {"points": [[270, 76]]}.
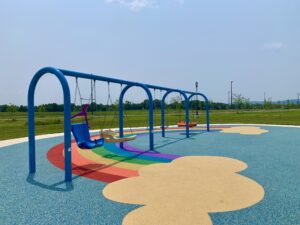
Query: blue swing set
{"points": [[81, 131]]}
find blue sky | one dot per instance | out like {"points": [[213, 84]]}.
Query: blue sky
{"points": [[170, 43]]}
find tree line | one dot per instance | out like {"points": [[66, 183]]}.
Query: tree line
{"points": [[239, 102], [175, 105]]}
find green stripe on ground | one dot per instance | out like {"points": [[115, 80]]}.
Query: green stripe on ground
{"points": [[109, 155]]}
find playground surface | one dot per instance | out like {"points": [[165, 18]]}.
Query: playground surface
{"points": [[231, 175]]}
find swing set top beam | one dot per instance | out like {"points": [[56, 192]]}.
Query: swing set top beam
{"points": [[119, 81]]}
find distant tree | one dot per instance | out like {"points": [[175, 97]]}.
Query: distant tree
{"points": [[12, 108], [175, 103], [240, 102], [211, 104], [289, 104], [268, 103], [128, 105], [3, 108], [157, 104], [22, 108], [145, 104], [41, 108], [116, 105], [93, 107]]}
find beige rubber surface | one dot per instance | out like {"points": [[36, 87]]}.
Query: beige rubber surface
{"points": [[185, 191], [249, 130]]}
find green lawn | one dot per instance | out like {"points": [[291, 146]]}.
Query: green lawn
{"points": [[14, 125]]}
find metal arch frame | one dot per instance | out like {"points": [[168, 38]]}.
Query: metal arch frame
{"points": [[206, 108], [186, 99], [67, 120], [61, 75], [121, 119]]}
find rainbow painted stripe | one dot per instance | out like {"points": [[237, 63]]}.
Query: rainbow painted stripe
{"points": [[108, 163]]}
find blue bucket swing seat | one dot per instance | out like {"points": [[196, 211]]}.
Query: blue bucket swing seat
{"points": [[81, 132], [82, 136]]}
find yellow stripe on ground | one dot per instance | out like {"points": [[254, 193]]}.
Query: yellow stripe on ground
{"points": [[99, 159]]}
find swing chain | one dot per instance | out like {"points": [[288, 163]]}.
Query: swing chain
{"points": [[95, 95], [75, 95], [154, 107]]}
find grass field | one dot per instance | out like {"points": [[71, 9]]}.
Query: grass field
{"points": [[14, 125]]}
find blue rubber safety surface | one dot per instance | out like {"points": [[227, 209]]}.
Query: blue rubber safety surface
{"points": [[45, 198], [273, 161]]}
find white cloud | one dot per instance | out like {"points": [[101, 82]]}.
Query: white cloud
{"points": [[275, 46], [137, 5], [134, 5]]}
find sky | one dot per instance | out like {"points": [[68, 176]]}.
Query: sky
{"points": [[163, 42]]}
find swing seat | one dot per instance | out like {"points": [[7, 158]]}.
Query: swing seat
{"points": [[183, 123], [108, 132], [111, 137], [82, 136]]}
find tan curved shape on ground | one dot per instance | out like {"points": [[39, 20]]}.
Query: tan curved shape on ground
{"points": [[185, 191], [244, 130]]}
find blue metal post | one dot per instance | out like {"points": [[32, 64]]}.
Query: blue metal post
{"points": [[31, 128], [206, 108], [67, 120], [163, 132], [121, 123], [207, 113], [187, 128]]}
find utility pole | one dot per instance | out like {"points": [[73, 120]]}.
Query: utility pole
{"points": [[298, 100], [228, 98], [231, 82], [197, 113]]}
